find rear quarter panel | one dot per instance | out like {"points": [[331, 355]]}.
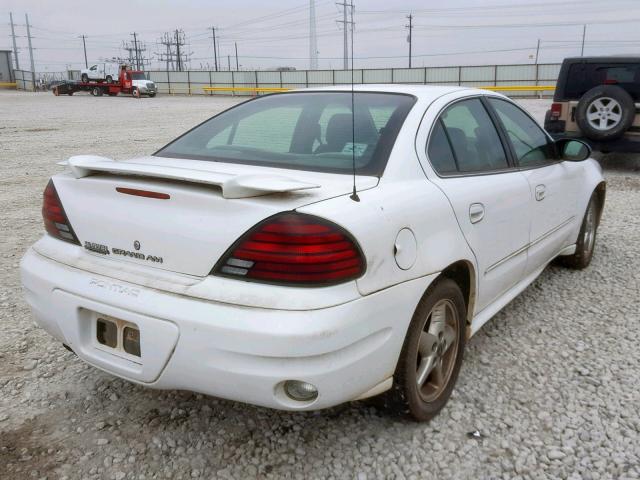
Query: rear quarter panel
{"points": [[404, 198]]}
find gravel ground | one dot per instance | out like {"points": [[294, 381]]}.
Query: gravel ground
{"points": [[550, 384]]}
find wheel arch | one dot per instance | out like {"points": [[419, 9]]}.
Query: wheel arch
{"points": [[463, 274]]}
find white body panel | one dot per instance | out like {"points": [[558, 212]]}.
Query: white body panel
{"points": [[241, 340]]}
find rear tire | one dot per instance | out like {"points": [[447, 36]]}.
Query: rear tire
{"points": [[96, 91], [605, 112], [586, 239], [84, 78], [432, 353]]}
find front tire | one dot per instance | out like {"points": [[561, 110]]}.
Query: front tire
{"points": [[432, 353], [586, 239], [109, 79]]}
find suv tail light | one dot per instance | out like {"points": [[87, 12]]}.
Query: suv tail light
{"points": [[556, 110], [293, 249], [55, 220]]}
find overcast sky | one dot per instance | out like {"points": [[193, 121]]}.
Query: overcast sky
{"points": [[276, 33]]}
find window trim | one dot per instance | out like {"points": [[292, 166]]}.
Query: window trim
{"points": [[514, 155], [512, 167]]}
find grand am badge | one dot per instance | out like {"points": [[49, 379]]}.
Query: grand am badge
{"points": [[104, 250], [138, 255]]}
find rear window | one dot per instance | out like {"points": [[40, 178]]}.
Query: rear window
{"points": [[582, 77], [304, 131]]}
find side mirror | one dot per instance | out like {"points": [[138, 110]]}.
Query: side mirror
{"points": [[573, 150]]}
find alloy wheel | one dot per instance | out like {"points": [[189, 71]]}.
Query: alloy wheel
{"points": [[437, 350], [604, 113], [589, 235]]}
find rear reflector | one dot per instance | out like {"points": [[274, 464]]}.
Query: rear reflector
{"points": [[55, 219], [294, 249], [556, 110], [143, 193]]}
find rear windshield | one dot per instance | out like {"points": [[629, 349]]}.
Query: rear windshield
{"points": [[304, 131], [582, 77]]}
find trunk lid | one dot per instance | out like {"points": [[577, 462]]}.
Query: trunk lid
{"points": [[210, 206]]}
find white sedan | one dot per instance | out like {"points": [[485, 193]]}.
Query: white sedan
{"points": [[296, 252]]}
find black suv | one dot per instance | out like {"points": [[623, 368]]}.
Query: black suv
{"points": [[597, 99]]}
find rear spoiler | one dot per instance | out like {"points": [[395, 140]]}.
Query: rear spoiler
{"points": [[233, 186]]}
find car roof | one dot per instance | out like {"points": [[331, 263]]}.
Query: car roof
{"points": [[603, 59], [421, 91]]}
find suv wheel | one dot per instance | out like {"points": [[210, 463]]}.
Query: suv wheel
{"points": [[605, 112]]}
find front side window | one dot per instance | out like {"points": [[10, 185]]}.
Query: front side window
{"points": [[305, 131], [531, 145], [473, 138]]}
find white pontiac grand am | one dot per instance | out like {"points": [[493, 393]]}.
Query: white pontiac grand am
{"points": [[276, 255]]}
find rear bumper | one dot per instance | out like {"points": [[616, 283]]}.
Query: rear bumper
{"points": [[225, 350]]}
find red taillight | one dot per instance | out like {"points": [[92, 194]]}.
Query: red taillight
{"points": [[55, 220], [293, 249], [556, 110]]}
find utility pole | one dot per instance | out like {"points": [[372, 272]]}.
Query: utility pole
{"points": [[537, 51], [84, 45], [237, 65], [33, 68], [313, 39], [179, 59], [346, 46], [15, 48], [215, 51], [584, 33], [135, 45], [229, 62], [410, 27], [345, 24]]}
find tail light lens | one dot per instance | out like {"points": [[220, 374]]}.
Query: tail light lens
{"points": [[294, 249], [55, 219], [556, 110]]}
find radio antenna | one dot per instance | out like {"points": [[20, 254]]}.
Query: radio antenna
{"points": [[354, 195]]}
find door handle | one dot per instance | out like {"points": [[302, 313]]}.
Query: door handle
{"points": [[541, 191], [476, 212]]}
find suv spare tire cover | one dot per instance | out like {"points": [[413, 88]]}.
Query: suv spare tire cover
{"points": [[588, 106]]}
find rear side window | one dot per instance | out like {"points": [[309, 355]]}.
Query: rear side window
{"points": [[531, 145], [439, 151], [473, 137]]}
